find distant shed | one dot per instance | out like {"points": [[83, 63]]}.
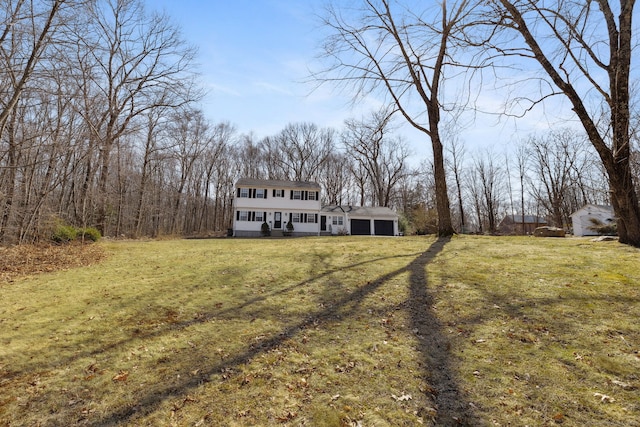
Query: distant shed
{"points": [[584, 218]]}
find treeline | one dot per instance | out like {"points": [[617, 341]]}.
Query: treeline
{"points": [[100, 127]]}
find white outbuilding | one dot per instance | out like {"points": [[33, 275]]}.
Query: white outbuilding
{"points": [[588, 215]]}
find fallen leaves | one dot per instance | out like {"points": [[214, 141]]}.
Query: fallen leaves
{"points": [[121, 376], [287, 416], [24, 260]]}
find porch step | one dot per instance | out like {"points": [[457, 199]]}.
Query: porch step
{"points": [[276, 233]]}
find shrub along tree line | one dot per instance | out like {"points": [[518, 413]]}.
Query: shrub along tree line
{"points": [[64, 233]]}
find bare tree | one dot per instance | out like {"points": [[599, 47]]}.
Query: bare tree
{"points": [[487, 187], [298, 152], [133, 62], [251, 157], [553, 159], [360, 184], [151, 146], [25, 39], [398, 51], [334, 178], [190, 136], [380, 155], [522, 161], [585, 49], [221, 137], [457, 152]]}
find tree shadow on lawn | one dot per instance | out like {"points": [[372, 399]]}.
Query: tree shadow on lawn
{"points": [[439, 372], [453, 408]]}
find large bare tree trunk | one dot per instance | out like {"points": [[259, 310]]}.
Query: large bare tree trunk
{"points": [[445, 226], [404, 57], [575, 40]]}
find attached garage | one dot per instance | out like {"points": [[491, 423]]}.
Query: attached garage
{"points": [[360, 227], [361, 221], [383, 227]]}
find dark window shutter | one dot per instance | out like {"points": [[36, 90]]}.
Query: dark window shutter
{"points": [[316, 219], [265, 193], [291, 195], [317, 195], [238, 192], [237, 215], [306, 195], [274, 192], [264, 216]]}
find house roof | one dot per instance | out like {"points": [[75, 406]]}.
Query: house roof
{"points": [[591, 208], [528, 219], [369, 211], [270, 183]]}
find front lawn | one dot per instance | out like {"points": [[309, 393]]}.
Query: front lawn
{"points": [[336, 331]]}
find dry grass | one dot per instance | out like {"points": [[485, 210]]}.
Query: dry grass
{"points": [[328, 332]]}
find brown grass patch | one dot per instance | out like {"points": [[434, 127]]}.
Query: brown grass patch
{"points": [[27, 260]]}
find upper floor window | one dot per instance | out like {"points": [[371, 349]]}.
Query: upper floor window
{"points": [[278, 193], [260, 193], [244, 192], [312, 195], [297, 195]]}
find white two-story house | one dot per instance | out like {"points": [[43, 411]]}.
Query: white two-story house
{"points": [[277, 202]]}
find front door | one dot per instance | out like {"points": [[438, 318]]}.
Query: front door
{"points": [[277, 220], [323, 223]]}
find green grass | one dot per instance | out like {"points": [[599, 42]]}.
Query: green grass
{"points": [[328, 332]]}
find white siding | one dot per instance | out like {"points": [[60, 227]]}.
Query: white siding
{"points": [[581, 219]]}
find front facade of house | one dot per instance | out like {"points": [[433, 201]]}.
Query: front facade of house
{"points": [[275, 202], [583, 219], [278, 202]]}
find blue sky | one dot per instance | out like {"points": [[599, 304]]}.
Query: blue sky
{"points": [[255, 55], [254, 58]]}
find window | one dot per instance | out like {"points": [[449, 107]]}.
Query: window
{"points": [[243, 215], [338, 220], [260, 193], [296, 217], [297, 195], [259, 217], [278, 193], [312, 195], [311, 218], [244, 192]]}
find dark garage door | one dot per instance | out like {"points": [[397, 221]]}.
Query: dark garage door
{"points": [[360, 227], [383, 228]]}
